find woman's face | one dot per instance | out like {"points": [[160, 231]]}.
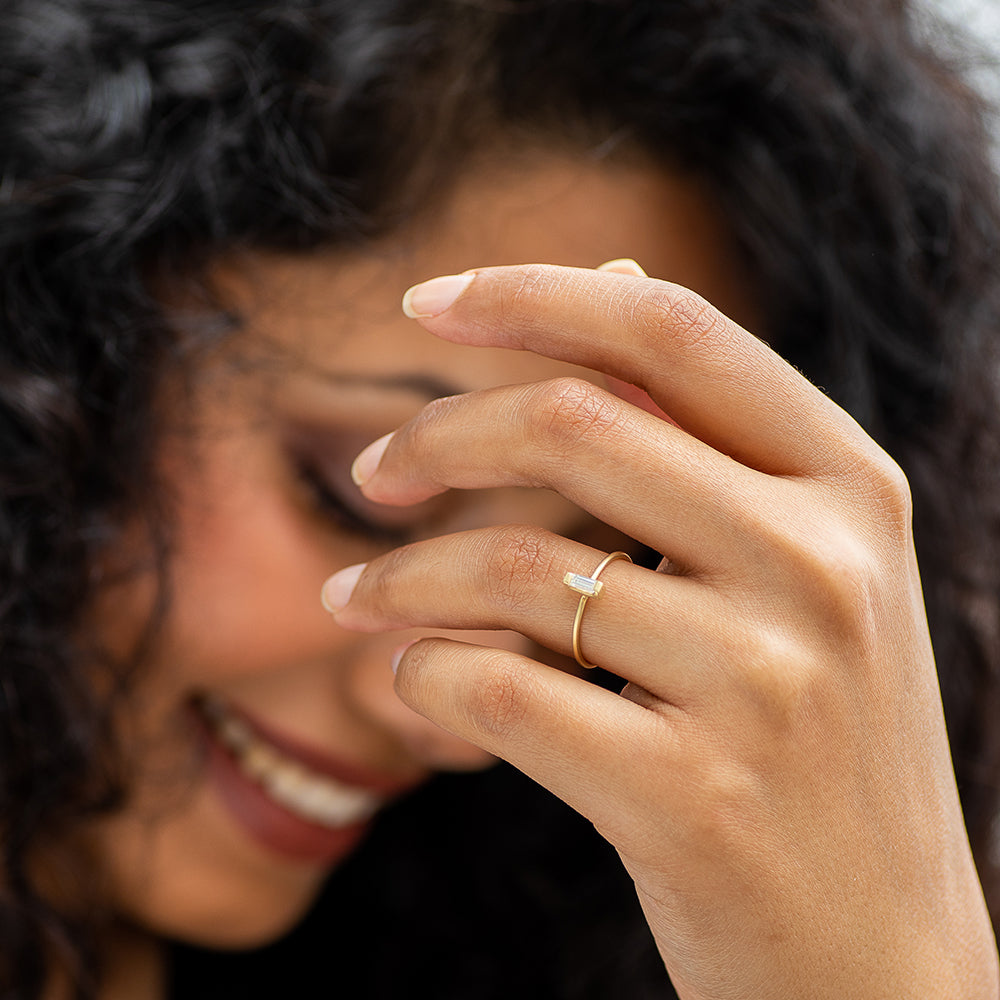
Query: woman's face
{"points": [[262, 738]]}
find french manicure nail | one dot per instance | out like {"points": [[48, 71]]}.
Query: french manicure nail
{"points": [[431, 298], [623, 265], [397, 655], [367, 462], [337, 590]]}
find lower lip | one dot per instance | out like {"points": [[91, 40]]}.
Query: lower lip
{"points": [[270, 824]]}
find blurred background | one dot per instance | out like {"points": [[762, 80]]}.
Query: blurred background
{"points": [[979, 20]]}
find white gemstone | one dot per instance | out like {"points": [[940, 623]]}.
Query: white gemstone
{"points": [[585, 585]]}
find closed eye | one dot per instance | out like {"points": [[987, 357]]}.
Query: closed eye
{"points": [[342, 514]]}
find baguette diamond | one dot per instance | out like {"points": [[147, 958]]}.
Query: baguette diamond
{"points": [[585, 585]]}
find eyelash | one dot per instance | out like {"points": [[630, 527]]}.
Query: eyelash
{"points": [[332, 506]]}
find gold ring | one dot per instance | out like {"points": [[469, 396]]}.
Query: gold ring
{"points": [[588, 587]]}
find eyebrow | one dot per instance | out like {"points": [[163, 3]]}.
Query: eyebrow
{"points": [[416, 383]]}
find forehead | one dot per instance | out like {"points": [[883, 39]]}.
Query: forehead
{"points": [[340, 312]]}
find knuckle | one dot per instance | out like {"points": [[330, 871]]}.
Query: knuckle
{"points": [[890, 490], [729, 804], [781, 679], [850, 582], [566, 411], [878, 487], [519, 561], [838, 581], [831, 572], [681, 315]]}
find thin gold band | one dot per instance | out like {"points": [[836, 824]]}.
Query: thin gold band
{"points": [[588, 587]]}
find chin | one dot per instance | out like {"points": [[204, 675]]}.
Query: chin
{"points": [[226, 918], [255, 932], [223, 865], [196, 878]]}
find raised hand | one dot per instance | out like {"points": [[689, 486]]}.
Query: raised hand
{"points": [[776, 773]]}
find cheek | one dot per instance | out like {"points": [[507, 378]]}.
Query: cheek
{"points": [[250, 559], [245, 582]]}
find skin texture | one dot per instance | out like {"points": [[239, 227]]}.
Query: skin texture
{"points": [[776, 773], [252, 548]]}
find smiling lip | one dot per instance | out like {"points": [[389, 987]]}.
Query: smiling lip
{"points": [[321, 762], [271, 823]]}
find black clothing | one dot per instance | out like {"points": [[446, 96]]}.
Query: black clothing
{"points": [[476, 887]]}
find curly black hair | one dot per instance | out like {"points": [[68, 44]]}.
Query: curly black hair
{"points": [[139, 139]]}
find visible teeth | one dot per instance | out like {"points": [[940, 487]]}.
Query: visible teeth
{"points": [[235, 732], [314, 797], [258, 759], [285, 781]]}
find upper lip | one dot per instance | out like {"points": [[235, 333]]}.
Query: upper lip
{"points": [[319, 761]]}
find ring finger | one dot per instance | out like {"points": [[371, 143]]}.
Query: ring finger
{"points": [[644, 626]]}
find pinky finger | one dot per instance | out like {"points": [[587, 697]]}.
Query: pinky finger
{"points": [[578, 740]]}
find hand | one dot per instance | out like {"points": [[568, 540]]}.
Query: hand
{"points": [[776, 774]]}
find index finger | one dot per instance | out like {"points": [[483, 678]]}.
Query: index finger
{"points": [[717, 380]]}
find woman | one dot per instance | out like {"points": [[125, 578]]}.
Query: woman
{"points": [[210, 212]]}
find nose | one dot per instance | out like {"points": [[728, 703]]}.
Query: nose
{"points": [[370, 688]]}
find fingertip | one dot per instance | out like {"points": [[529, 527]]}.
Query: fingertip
{"points": [[336, 592], [398, 653], [433, 297], [364, 466]]}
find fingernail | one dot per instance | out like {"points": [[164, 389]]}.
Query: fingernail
{"points": [[367, 462], [337, 590], [432, 297], [623, 265], [397, 655]]}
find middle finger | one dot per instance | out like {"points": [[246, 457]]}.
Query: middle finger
{"points": [[628, 468]]}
